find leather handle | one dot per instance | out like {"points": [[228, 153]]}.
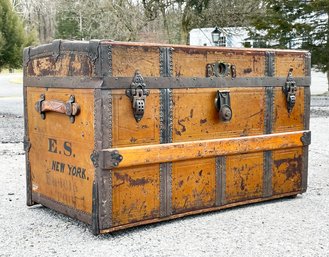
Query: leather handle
{"points": [[69, 108]]}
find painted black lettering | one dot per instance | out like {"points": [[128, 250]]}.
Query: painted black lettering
{"points": [[83, 173], [57, 166], [67, 149], [53, 165], [62, 167], [52, 145], [70, 169], [78, 172]]}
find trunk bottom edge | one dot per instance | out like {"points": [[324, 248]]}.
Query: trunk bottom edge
{"points": [[62, 208], [199, 211]]}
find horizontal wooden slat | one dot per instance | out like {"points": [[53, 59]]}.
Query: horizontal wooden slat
{"points": [[161, 153]]}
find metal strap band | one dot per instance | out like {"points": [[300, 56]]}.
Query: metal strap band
{"points": [[165, 189], [218, 82], [305, 169], [56, 46], [269, 109], [220, 180], [268, 125], [166, 119], [110, 72], [26, 56], [267, 174], [307, 104], [29, 201], [95, 208], [97, 147], [94, 52], [105, 60], [162, 82], [308, 64], [105, 179], [307, 107], [269, 64], [166, 66]]}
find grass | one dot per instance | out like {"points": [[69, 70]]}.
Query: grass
{"points": [[15, 80], [6, 71]]}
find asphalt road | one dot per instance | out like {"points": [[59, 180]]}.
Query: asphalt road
{"points": [[285, 227]]}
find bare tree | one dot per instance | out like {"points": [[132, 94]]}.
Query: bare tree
{"points": [[38, 16]]}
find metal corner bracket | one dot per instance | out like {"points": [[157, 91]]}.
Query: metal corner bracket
{"points": [[94, 157], [56, 46], [306, 138]]}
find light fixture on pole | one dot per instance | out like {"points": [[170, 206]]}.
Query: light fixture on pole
{"points": [[215, 35]]}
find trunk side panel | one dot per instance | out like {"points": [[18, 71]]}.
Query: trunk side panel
{"points": [[61, 169]]}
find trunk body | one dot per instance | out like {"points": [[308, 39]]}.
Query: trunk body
{"points": [[157, 132]]}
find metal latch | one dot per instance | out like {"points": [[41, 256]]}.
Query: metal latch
{"points": [[223, 105], [137, 94], [289, 90]]}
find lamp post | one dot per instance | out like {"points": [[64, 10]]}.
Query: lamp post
{"points": [[215, 35]]}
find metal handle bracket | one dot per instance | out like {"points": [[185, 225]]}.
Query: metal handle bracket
{"points": [[69, 108]]}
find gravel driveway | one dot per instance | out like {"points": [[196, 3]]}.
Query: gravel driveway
{"points": [[285, 227]]}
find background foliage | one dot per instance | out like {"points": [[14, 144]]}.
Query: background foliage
{"points": [[296, 24], [12, 36], [274, 23]]}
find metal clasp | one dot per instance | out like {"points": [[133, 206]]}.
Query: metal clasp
{"points": [[223, 105], [137, 94], [290, 90]]}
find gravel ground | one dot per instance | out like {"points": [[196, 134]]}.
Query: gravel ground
{"points": [[285, 227]]}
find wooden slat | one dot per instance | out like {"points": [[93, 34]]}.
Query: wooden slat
{"points": [[160, 153]]}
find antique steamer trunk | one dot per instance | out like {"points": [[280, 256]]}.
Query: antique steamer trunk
{"points": [[124, 134]]}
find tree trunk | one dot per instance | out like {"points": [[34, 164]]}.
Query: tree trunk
{"points": [[185, 26], [328, 80], [165, 23], [327, 45]]}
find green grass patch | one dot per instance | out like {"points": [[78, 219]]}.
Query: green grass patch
{"points": [[6, 71]]}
